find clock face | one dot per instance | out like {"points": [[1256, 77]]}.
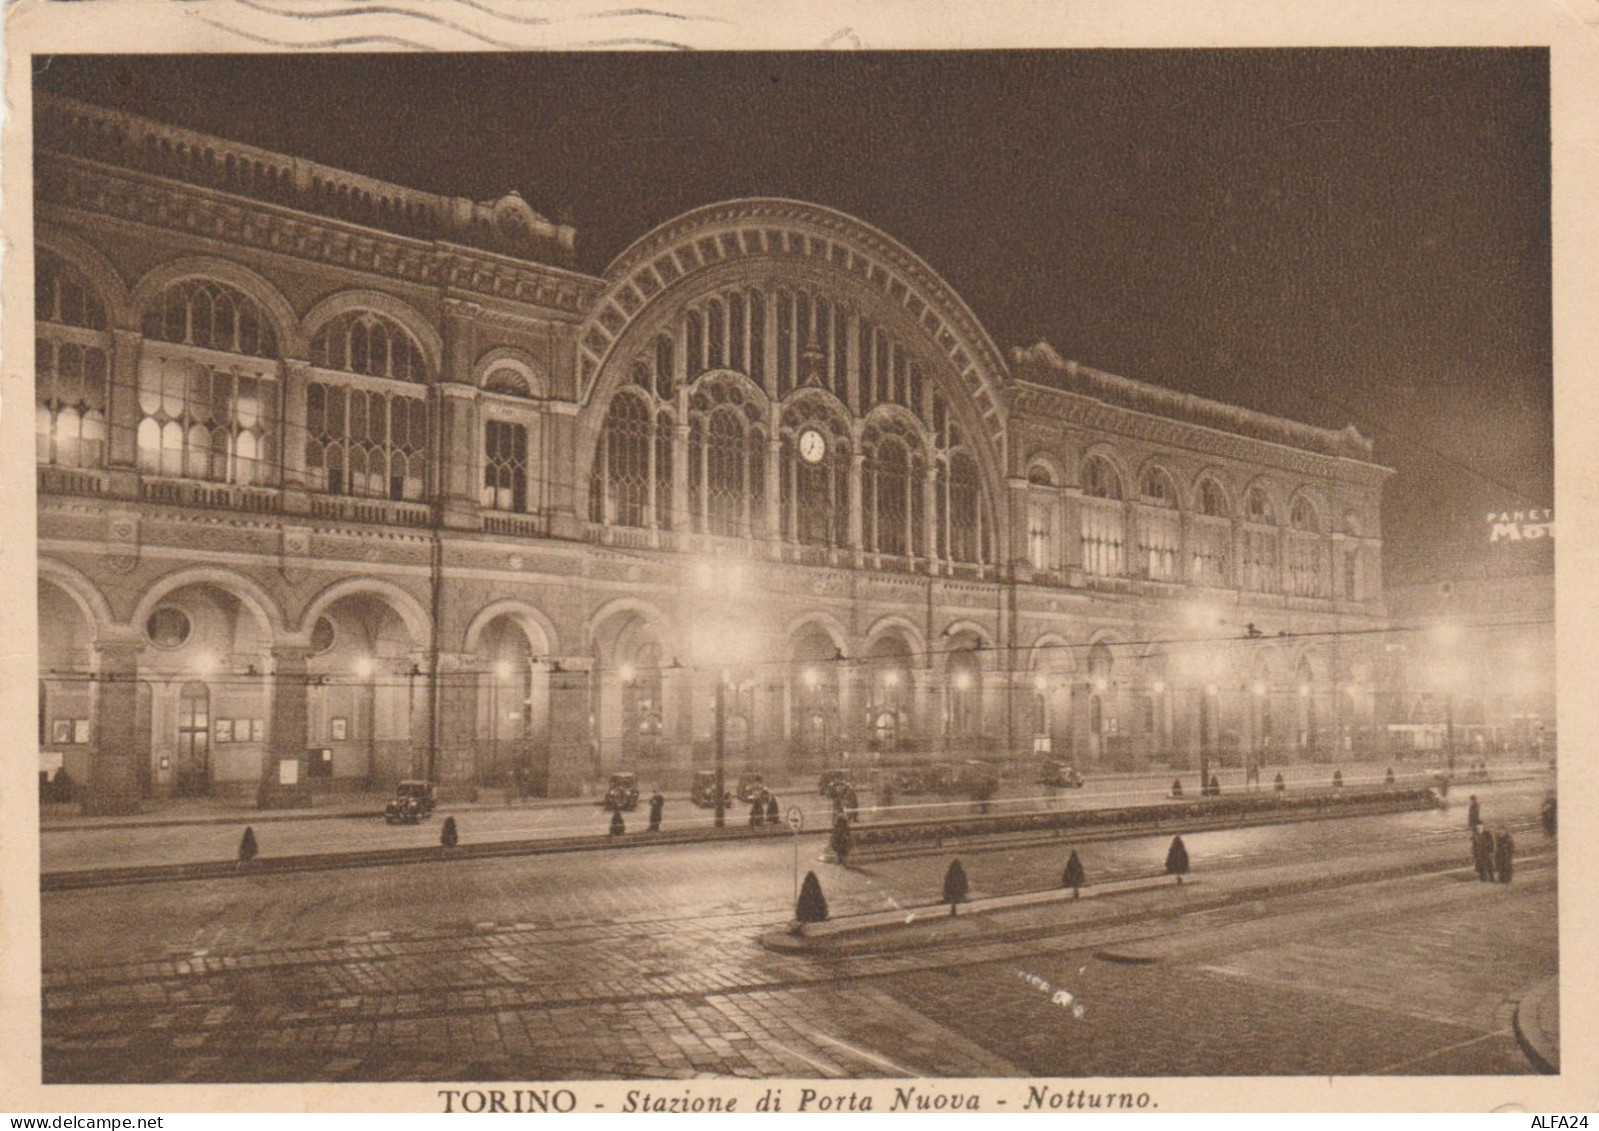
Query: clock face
{"points": [[812, 446]]}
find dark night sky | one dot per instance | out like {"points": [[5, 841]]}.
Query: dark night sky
{"points": [[1330, 236]]}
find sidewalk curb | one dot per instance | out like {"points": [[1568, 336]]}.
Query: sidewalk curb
{"points": [[1533, 1044]]}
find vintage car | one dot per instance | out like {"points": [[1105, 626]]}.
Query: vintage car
{"points": [[622, 794], [413, 802], [1059, 775], [703, 793]]}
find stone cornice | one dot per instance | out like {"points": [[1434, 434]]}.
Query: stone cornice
{"points": [[1042, 402], [128, 140], [99, 190]]}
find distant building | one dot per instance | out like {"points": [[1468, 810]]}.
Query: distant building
{"points": [[1474, 661], [329, 464]]}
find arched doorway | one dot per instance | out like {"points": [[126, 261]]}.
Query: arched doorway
{"points": [[963, 696], [365, 688], [204, 675], [1102, 722], [815, 722], [511, 731], [889, 697], [627, 690]]}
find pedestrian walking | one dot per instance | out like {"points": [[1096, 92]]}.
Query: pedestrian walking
{"points": [[1215, 785], [757, 813], [657, 807], [772, 815], [852, 804], [1547, 816], [618, 826], [1473, 813], [1482, 854], [1504, 855]]}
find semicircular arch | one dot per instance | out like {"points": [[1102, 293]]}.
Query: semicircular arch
{"points": [[82, 592], [92, 264], [292, 343], [380, 302], [539, 629], [417, 622], [248, 592]]}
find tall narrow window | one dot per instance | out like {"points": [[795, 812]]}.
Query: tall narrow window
{"points": [[505, 466], [1041, 535], [724, 473], [72, 352], [1260, 543], [625, 452], [715, 335], [665, 518], [965, 543], [785, 344], [1104, 533], [735, 326], [1211, 538], [758, 338]]}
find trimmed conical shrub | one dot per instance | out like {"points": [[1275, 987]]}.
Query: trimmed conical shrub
{"points": [[247, 846], [1278, 784], [955, 886], [1215, 786], [1177, 787], [618, 827], [842, 839], [1388, 778], [812, 905], [1074, 876], [448, 836], [1338, 779], [1177, 859]]}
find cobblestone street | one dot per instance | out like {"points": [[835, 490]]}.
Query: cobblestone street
{"points": [[645, 964]]}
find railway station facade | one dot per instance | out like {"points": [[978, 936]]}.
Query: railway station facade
{"points": [[334, 470]]}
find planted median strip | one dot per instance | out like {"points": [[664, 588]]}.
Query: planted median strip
{"points": [[873, 839]]}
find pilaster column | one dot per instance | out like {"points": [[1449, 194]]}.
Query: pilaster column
{"points": [[571, 746], [113, 786], [774, 488], [930, 515], [459, 456], [680, 516], [857, 505], [289, 726], [456, 693], [1071, 535], [1017, 554], [122, 404], [294, 434], [769, 341], [1185, 533], [852, 361]]}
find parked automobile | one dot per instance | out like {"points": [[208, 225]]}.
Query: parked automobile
{"points": [[703, 792], [1061, 775], [622, 795], [413, 802]]}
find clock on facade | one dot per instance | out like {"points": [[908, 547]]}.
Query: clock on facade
{"points": [[812, 446]]}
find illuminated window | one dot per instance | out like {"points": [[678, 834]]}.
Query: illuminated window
{"points": [[72, 352], [505, 466], [1104, 526], [198, 421], [1159, 526]]}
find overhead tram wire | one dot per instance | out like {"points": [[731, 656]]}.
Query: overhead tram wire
{"points": [[395, 680]]}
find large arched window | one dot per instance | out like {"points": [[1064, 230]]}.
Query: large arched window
{"points": [[212, 315], [1104, 524], [1159, 526], [1211, 537], [725, 494], [365, 342], [1260, 542], [620, 487], [1308, 574], [965, 509], [72, 364]]}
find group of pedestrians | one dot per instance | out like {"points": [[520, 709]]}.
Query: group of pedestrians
{"points": [[1492, 852], [763, 810]]}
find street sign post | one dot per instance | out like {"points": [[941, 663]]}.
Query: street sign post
{"points": [[796, 822]]}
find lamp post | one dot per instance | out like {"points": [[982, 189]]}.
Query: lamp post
{"points": [[721, 749]]}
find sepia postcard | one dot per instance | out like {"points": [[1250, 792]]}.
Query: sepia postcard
{"points": [[829, 558]]}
